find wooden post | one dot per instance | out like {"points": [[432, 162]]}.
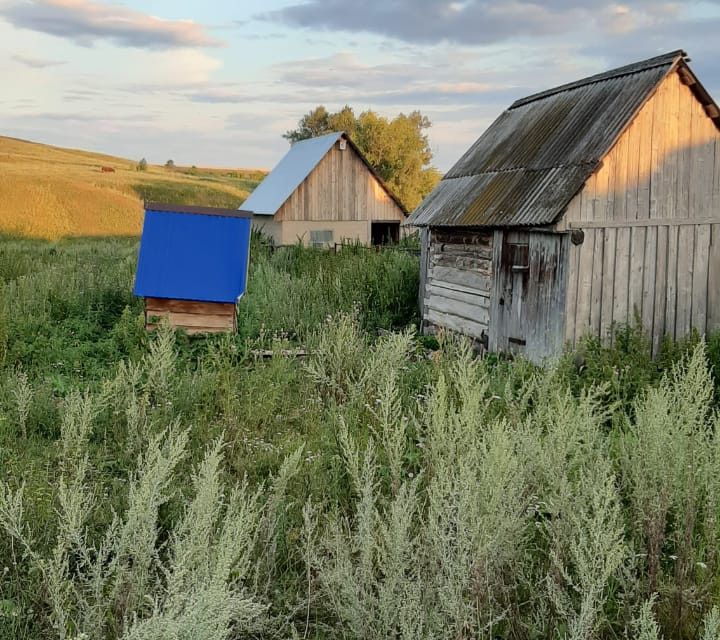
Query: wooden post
{"points": [[424, 259]]}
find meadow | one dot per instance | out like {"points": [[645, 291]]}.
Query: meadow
{"points": [[385, 485], [50, 192]]}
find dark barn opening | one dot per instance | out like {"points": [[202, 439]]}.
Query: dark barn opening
{"points": [[384, 233]]}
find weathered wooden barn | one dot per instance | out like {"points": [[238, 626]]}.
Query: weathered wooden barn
{"points": [[323, 192], [579, 209], [192, 266]]}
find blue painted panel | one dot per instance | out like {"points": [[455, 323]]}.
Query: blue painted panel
{"points": [[193, 257]]}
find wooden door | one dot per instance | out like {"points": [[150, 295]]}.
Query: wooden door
{"points": [[529, 292], [513, 271]]}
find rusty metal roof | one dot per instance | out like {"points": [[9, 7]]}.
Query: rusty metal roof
{"points": [[529, 164]]}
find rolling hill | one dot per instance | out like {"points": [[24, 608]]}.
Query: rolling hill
{"points": [[51, 192]]}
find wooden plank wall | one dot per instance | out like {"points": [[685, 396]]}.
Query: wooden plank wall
{"points": [[340, 188], [193, 317], [458, 282], [652, 246]]}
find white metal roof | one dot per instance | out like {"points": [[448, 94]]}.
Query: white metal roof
{"points": [[289, 173]]}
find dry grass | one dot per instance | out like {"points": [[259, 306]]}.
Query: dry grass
{"points": [[50, 192]]}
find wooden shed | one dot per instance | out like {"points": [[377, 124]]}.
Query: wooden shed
{"points": [[579, 209], [192, 266], [322, 192]]}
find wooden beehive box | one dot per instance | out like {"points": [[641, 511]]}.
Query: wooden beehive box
{"points": [[192, 266]]}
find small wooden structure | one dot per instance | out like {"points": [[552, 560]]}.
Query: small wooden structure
{"points": [[192, 266], [324, 192], [579, 209]]}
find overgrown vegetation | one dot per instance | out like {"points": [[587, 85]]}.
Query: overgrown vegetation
{"points": [[167, 487]]}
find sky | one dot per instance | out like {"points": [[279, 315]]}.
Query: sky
{"points": [[217, 83]]}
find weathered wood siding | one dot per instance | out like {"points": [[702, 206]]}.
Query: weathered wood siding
{"points": [[651, 218], [340, 188], [458, 282], [193, 317]]}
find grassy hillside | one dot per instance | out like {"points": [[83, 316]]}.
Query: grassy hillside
{"points": [[50, 192]]}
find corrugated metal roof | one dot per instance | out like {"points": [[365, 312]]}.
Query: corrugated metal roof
{"points": [[191, 253], [526, 168], [289, 173]]}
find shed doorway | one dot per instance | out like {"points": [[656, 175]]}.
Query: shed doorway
{"points": [[529, 294], [384, 233], [512, 288]]}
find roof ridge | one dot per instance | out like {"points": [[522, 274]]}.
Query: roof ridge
{"points": [[335, 134], [562, 165], [625, 70]]}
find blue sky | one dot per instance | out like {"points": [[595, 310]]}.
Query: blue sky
{"points": [[216, 83]]}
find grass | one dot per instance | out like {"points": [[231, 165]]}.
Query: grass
{"points": [[187, 193], [384, 486], [50, 192]]}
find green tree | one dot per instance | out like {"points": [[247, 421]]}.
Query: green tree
{"points": [[170, 164], [397, 149], [344, 120], [312, 124], [142, 165]]}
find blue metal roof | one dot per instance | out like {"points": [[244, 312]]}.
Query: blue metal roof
{"points": [[193, 253], [288, 174]]}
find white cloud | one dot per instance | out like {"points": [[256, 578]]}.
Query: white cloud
{"points": [[190, 65], [36, 63], [85, 21]]}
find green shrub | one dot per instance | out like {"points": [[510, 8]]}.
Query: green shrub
{"points": [[123, 583], [293, 290], [374, 485]]}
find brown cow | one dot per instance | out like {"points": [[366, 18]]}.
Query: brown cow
{"points": [[107, 169]]}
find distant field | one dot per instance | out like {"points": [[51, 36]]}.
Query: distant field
{"points": [[51, 192]]}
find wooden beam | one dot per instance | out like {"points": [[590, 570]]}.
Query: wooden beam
{"points": [[686, 77], [712, 110], [455, 323], [424, 260], [192, 320], [192, 331], [651, 222], [189, 306]]}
